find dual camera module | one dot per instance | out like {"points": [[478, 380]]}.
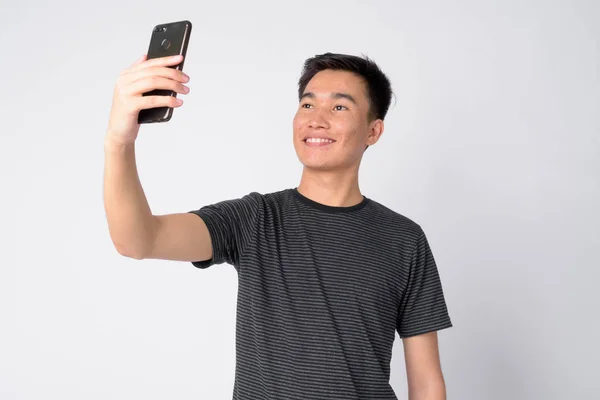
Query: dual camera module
{"points": [[166, 43]]}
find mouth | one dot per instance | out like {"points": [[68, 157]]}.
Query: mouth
{"points": [[318, 142]]}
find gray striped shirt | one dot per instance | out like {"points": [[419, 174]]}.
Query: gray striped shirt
{"points": [[322, 291]]}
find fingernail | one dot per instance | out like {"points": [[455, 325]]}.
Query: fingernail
{"points": [[178, 101]]}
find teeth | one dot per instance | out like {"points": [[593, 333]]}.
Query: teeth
{"points": [[319, 140]]}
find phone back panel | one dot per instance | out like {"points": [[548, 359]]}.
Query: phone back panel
{"points": [[168, 39]]}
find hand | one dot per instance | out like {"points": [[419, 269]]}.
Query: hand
{"points": [[143, 76]]}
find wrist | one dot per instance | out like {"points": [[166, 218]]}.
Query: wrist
{"points": [[115, 143]]}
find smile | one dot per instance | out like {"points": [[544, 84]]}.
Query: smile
{"points": [[318, 142]]}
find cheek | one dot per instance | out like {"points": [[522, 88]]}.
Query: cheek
{"points": [[298, 123], [345, 129]]}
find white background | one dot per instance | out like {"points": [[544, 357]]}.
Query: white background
{"points": [[492, 145]]}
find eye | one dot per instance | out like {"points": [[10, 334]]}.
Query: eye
{"points": [[340, 108], [306, 105]]}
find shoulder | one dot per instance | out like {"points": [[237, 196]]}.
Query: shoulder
{"points": [[257, 200], [259, 196], [395, 221], [254, 199], [270, 199]]}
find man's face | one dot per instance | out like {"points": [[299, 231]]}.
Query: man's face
{"points": [[331, 126]]}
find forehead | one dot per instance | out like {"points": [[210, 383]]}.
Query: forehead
{"points": [[328, 81]]}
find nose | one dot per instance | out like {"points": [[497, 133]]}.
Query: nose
{"points": [[318, 119]]}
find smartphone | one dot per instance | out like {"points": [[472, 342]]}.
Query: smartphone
{"points": [[168, 39]]}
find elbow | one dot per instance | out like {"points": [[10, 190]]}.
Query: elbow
{"points": [[133, 241], [129, 252]]}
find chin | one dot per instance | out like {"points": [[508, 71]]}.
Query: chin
{"points": [[326, 161], [319, 167], [320, 163]]}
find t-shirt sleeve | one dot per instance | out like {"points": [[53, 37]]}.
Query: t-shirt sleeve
{"points": [[423, 307], [231, 224]]}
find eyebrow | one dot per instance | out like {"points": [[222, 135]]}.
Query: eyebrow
{"points": [[334, 95]]}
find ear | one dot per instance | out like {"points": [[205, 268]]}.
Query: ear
{"points": [[375, 132]]}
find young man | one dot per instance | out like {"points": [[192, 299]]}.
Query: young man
{"points": [[326, 275]]}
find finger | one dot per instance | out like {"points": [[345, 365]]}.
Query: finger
{"points": [[159, 62], [155, 82], [165, 72], [146, 102], [140, 60]]}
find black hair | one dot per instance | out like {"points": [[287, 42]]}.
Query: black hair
{"points": [[379, 90]]}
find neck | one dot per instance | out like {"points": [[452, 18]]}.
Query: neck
{"points": [[331, 188]]}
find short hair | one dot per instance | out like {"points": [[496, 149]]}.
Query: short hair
{"points": [[379, 90]]}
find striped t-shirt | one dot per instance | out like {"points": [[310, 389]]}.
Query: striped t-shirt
{"points": [[322, 291]]}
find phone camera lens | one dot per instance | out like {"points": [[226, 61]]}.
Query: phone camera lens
{"points": [[166, 43]]}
